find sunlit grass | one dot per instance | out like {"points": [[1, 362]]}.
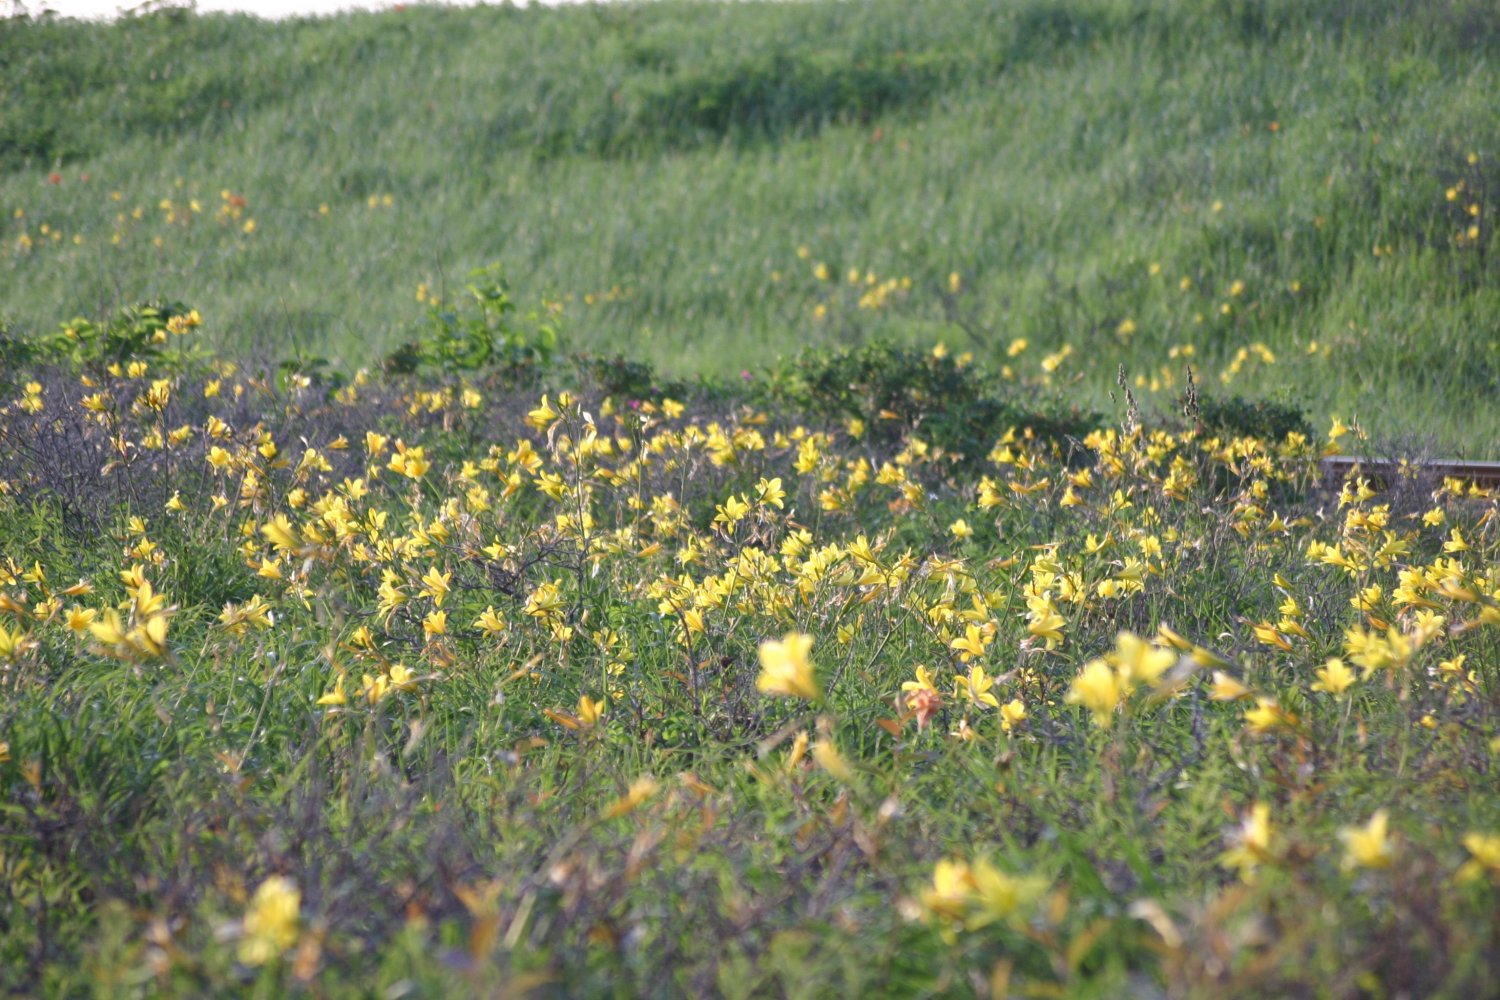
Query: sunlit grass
{"points": [[1101, 175]]}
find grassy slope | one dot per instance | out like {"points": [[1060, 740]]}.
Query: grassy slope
{"points": [[680, 154]]}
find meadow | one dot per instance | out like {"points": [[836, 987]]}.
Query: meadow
{"points": [[1302, 194], [750, 500]]}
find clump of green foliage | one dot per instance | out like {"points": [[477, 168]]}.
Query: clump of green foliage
{"points": [[897, 391], [481, 331]]}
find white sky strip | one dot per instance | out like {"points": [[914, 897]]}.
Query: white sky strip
{"points": [[272, 9]]}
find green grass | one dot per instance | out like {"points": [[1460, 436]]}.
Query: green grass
{"points": [[665, 162]]}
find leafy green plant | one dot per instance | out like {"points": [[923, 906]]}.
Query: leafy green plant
{"points": [[142, 332], [897, 390], [481, 331], [1236, 416]]}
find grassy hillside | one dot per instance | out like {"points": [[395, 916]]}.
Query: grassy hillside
{"points": [[911, 665], [1146, 183]]}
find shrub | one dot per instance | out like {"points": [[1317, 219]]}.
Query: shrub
{"points": [[899, 390]]}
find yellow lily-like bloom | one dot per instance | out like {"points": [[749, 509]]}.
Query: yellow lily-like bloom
{"points": [[1227, 688], [972, 644], [1267, 715], [1252, 842], [1012, 714], [640, 790], [590, 711], [785, 669], [541, 418], [270, 926], [279, 533], [1368, 846], [976, 687], [337, 695], [490, 623], [1046, 625], [1334, 677], [1484, 851], [1139, 662], [999, 895], [1098, 689], [922, 683], [952, 888]]}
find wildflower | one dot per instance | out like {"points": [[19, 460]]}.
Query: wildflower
{"points": [[1484, 851], [590, 711], [542, 417], [922, 697], [1097, 689], [1267, 716], [1001, 896], [1012, 714], [337, 695], [976, 687], [490, 623], [770, 492], [785, 669], [1139, 662], [1227, 688], [1368, 846], [436, 585], [952, 884], [972, 644], [640, 790], [1334, 677], [270, 925], [1252, 842], [826, 753], [279, 533]]}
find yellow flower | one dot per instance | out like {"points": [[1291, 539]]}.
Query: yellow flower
{"points": [[436, 585], [1001, 896], [785, 668], [829, 759], [1252, 842], [542, 417], [1047, 625], [279, 533], [922, 683], [1227, 688], [1334, 678], [1368, 846], [590, 711], [640, 790], [1012, 714], [1484, 850], [490, 623], [1097, 689], [976, 687], [337, 695], [1268, 715], [1139, 662], [972, 644], [770, 492], [952, 887], [270, 926]]}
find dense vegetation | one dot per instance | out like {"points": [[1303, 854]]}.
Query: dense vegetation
{"points": [[738, 500]]}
